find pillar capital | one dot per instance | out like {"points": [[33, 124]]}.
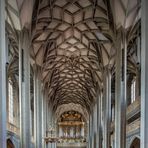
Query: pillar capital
{"points": [[108, 67]]}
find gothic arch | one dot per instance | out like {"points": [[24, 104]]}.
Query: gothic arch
{"points": [[135, 143], [10, 144]]}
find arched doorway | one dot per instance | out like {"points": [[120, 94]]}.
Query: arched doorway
{"points": [[135, 143], [10, 144]]}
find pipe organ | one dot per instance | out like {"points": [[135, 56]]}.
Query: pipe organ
{"points": [[72, 126]]}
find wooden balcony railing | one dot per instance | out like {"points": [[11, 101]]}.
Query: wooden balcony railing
{"points": [[70, 145], [133, 126], [133, 108], [14, 129]]}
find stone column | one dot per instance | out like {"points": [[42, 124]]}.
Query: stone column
{"points": [[120, 90], [94, 127], [2, 76], [107, 107], [37, 108], [24, 89], [35, 105], [44, 119], [144, 76], [50, 122], [90, 131], [88, 137], [47, 119], [86, 132], [137, 87], [7, 80], [99, 110]]}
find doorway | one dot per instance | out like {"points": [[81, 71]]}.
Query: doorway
{"points": [[10, 144], [135, 143]]}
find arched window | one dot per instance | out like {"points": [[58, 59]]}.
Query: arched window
{"points": [[10, 89], [133, 90]]}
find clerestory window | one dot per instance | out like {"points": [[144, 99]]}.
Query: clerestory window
{"points": [[133, 90], [10, 89]]}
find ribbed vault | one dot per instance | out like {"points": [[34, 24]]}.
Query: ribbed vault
{"points": [[71, 106], [72, 42]]}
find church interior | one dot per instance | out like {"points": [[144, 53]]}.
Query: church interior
{"points": [[73, 74]]}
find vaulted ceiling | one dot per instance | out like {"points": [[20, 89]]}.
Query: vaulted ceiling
{"points": [[70, 39], [72, 42]]}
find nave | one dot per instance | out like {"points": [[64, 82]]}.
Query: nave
{"points": [[73, 73]]}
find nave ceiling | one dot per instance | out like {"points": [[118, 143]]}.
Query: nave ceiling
{"points": [[72, 41]]}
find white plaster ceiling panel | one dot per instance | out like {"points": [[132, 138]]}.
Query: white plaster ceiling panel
{"points": [[45, 13], [84, 3], [60, 3], [12, 14], [26, 13], [78, 17], [124, 8], [72, 8]]}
